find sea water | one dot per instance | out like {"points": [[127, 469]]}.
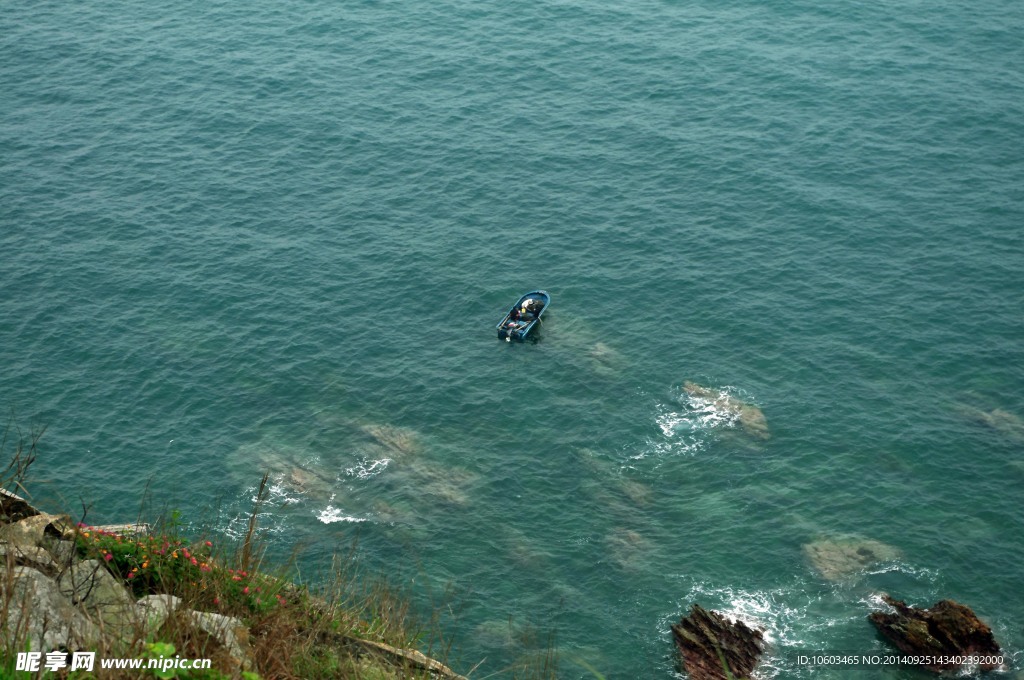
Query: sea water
{"points": [[277, 236]]}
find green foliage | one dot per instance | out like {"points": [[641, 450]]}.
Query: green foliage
{"points": [[166, 650], [160, 650]]}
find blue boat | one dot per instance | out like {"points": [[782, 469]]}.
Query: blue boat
{"points": [[523, 316]]}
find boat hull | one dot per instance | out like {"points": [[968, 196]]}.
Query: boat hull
{"points": [[530, 308]]}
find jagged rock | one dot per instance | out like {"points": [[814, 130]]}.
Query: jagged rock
{"points": [[41, 615], [34, 529], [62, 552], [838, 558], [14, 508], [101, 596], [28, 556], [706, 639], [947, 629], [229, 632]]}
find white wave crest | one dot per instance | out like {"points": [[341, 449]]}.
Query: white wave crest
{"points": [[331, 514], [772, 610], [368, 468]]}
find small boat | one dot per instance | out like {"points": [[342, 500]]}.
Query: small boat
{"points": [[523, 316]]}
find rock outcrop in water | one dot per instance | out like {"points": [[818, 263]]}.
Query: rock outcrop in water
{"points": [[948, 629], [750, 417], [707, 640], [839, 558]]}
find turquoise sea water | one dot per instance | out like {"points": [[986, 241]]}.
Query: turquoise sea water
{"points": [[239, 237]]}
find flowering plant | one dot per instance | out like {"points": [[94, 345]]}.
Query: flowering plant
{"points": [[170, 565]]}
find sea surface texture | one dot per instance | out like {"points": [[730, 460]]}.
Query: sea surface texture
{"points": [[783, 368]]}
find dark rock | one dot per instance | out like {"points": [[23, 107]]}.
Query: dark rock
{"points": [[707, 640], [14, 508], [947, 629]]}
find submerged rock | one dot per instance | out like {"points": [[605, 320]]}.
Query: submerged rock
{"points": [[627, 548], [436, 481], [750, 417], [397, 440], [638, 492], [709, 643], [838, 558], [949, 629], [999, 420], [294, 471], [603, 359]]}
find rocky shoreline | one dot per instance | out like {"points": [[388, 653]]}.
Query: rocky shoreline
{"points": [[53, 599]]}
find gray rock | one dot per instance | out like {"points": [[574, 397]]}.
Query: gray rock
{"points": [[228, 631], [28, 556], [100, 595], [39, 613], [231, 633], [33, 530], [62, 552]]}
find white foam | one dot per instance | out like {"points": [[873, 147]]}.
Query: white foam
{"points": [[279, 493], [687, 422], [683, 431], [923, 573], [366, 469], [331, 514], [767, 610]]}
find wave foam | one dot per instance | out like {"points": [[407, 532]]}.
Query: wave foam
{"points": [[331, 514], [368, 468]]}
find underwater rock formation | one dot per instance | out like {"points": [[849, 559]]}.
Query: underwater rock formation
{"points": [[626, 548], [637, 492], [749, 416], [999, 420], [603, 359], [948, 629], [294, 471], [709, 642], [401, 441], [837, 558], [427, 479]]}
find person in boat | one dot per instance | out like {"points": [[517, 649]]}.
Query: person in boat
{"points": [[514, 315]]}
